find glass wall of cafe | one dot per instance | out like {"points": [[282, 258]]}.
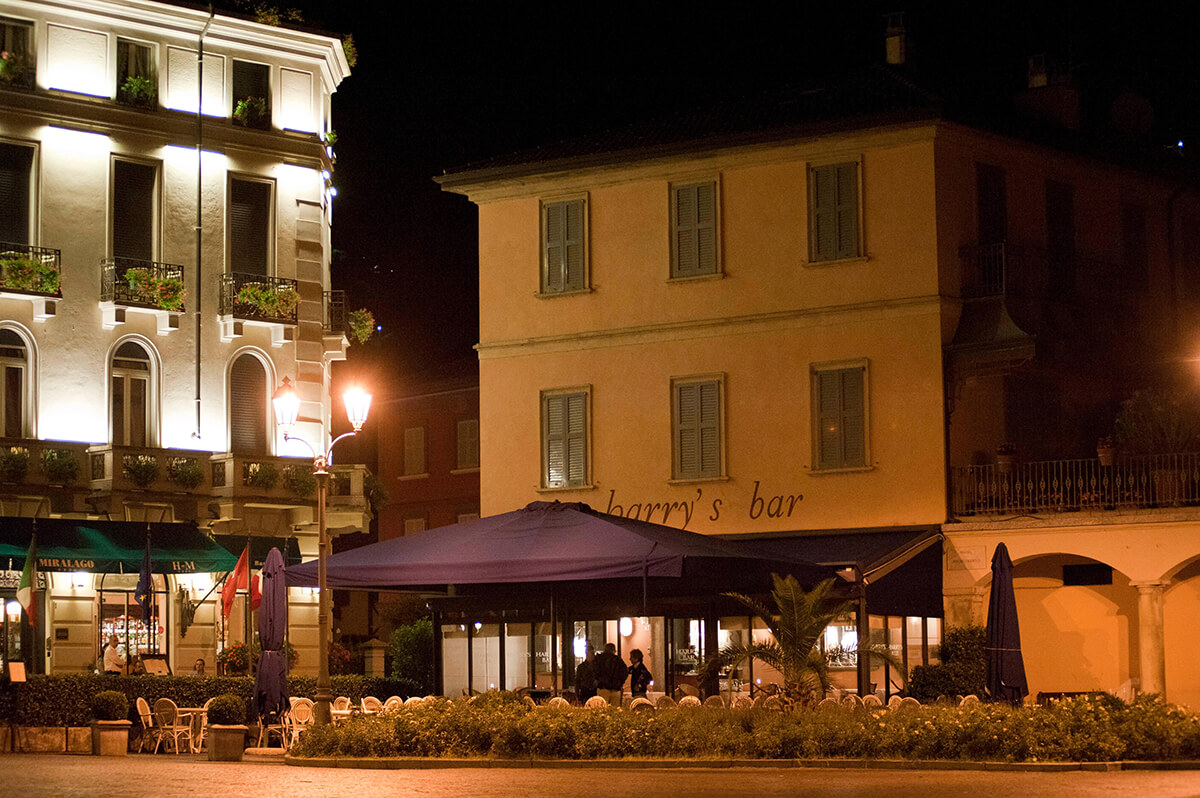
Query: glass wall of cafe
{"points": [[525, 650], [78, 611]]}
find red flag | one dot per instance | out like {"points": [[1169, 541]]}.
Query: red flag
{"points": [[255, 593], [234, 581]]}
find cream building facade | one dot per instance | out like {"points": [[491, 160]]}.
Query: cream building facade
{"points": [[803, 322], [166, 180]]}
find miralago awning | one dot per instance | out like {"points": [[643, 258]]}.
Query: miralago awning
{"points": [[65, 544]]}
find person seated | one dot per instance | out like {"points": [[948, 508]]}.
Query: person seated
{"points": [[198, 668]]}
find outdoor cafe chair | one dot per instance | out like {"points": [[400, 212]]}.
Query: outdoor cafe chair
{"points": [[202, 732], [299, 719], [395, 702], [340, 709], [371, 705], [278, 728], [150, 732], [166, 712]]}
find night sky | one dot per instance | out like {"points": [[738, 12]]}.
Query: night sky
{"points": [[439, 85]]}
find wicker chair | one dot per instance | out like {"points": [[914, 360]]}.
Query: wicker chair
{"points": [[150, 735], [166, 712]]}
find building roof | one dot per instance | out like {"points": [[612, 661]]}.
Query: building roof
{"points": [[869, 97]]}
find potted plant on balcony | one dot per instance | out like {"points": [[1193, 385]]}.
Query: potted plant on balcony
{"points": [[138, 90], [261, 475], [59, 466], [185, 472], [1006, 457], [299, 480], [110, 729], [1106, 451], [20, 272], [14, 464], [1160, 425], [226, 728], [268, 301], [251, 112], [166, 293], [361, 324], [142, 469], [234, 659]]}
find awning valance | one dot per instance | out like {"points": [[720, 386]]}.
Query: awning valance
{"points": [[260, 545], [65, 544]]}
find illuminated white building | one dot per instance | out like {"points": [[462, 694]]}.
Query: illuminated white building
{"points": [[164, 264]]}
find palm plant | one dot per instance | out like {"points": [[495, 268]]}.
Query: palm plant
{"points": [[797, 622]]}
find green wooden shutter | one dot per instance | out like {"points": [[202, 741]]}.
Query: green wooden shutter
{"points": [[695, 230], [565, 432], [573, 244], [841, 419], [247, 406], [133, 210], [698, 435], [833, 196], [249, 226], [563, 247], [16, 165]]}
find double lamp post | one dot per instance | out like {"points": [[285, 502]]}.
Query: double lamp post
{"points": [[287, 408]]}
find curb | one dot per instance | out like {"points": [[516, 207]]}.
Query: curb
{"points": [[379, 763]]}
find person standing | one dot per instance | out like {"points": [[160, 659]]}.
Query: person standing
{"points": [[611, 672], [639, 675], [585, 676], [114, 660]]}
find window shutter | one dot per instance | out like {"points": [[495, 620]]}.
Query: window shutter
{"points": [[699, 432], [841, 418], [695, 230], [573, 245], [554, 231], [414, 451], [16, 164], [689, 430], [834, 199], [563, 247], [576, 440], [133, 210], [247, 406], [249, 226], [853, 436], [566, 439], [556, 444], [468, 443]]}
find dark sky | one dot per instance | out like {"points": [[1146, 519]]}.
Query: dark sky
{"points": [[442, 84]]}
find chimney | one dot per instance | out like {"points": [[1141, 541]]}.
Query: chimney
{"points": [[1038, 76], [1051, 96], [895, 41]]}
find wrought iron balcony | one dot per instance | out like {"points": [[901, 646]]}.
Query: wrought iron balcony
{"points": [[36, 271], [335, 312], [1003, 269], [256, 297], [1164, 480], [142, 284]]}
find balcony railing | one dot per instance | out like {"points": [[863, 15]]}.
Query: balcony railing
{"points": [[335, 312], [256, 297], [36, 271], [17, 70], [142, 284], [1165, 480]]}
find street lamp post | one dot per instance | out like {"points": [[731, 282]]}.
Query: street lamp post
{"points": [[287, 408]]}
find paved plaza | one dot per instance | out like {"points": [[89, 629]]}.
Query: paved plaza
{"points": [[169, 775]]}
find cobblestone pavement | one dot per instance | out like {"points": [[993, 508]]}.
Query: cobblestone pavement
{"points": [[169, 775]]}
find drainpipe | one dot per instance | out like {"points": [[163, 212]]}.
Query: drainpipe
{"points": [[199, 199]]}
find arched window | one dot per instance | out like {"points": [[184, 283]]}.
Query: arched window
{"points": [[14, 371], [248, 406], [131, 395]]}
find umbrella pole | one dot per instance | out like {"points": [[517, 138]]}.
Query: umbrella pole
{"points": [[553, 647]]}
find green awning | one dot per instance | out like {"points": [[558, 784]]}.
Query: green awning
{"points": [[111, 546], [259, 546]]}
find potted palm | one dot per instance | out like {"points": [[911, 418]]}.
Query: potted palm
{"points": [[110, 729], [226, 728]]}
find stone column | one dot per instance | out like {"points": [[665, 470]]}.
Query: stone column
{"points": [[1151, 649], [374, 652]]}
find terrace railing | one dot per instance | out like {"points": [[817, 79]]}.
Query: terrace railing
{"points": [[142, 284], [257, 297], [1163, 480], [25, 269], [335, 312]]}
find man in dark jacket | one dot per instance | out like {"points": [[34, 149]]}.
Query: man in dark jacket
{"points": [[585, 676], [611, 672]]}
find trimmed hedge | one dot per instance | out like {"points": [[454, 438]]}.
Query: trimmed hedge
{"points": [[501, 725], [66, 700]]}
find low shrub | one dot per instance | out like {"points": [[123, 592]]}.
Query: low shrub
{"points": [[227, 710], [110, 705]]}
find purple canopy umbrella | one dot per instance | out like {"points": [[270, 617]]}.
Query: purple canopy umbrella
{"points": [[1005, 665], [271, 682]]}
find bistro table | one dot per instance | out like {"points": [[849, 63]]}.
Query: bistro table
{"points": [[195, 719]]}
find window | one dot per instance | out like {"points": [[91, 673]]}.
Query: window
{"points": [[991, 203], [131, 396], [252, 95], [414, 451], [468, 443], [135, 210], [137, 82], [14, 364], [248, 406], [16, 39], [839, 398], [249, 226], [694, 229], [414, 524], [16, 192], [564, 440], [564, 245], [833, 212], [697, 425]]}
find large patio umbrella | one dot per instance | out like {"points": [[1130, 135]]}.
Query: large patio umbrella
{"points": [[271, 682], [544, 542], [1005, 665]]}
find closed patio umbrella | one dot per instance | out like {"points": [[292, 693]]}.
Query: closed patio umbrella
{"points": [[271, 682], [1005, 665]]}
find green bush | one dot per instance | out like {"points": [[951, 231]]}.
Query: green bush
{"points": [[185, 472], [110, 705], [963, 670], [14, 463], [227, 710], [412, 656], [261, 475], [60, 465], [299, 480], [142, 469]]}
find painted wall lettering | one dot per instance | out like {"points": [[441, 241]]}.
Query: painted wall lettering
{"points": [[680, 513]]}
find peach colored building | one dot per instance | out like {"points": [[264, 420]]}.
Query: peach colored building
{"points": [[816, 321]]}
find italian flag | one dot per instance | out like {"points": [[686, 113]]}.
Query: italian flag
{"points": [[27, 592]]}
